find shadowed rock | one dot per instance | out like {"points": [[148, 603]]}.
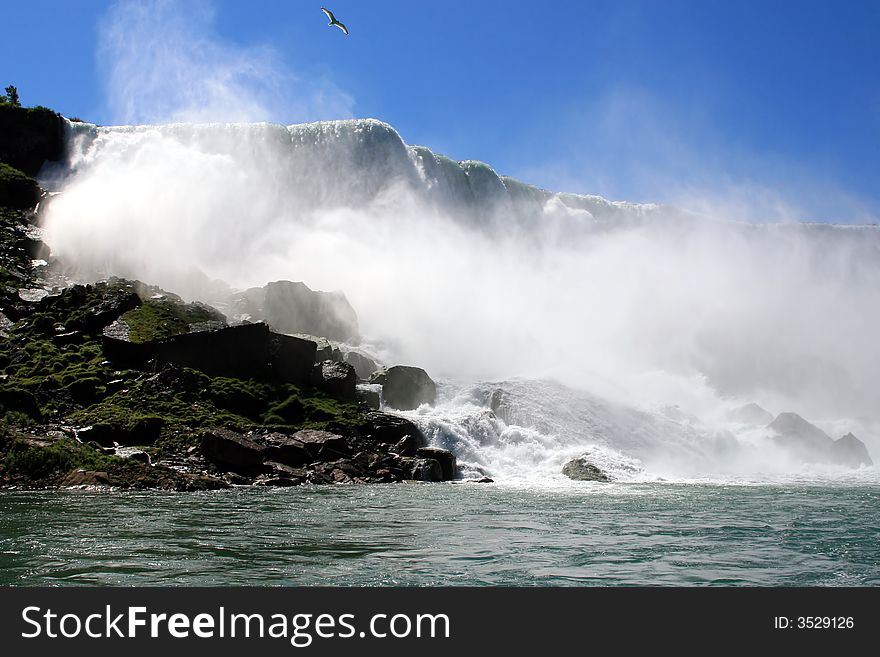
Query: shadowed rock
{"points": [[390, 429], [405, 388], [231, 449], [446, 459]]}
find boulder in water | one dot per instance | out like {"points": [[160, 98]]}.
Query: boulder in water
{"points": [[580, 469], [406, 388], [446, 459], [427, 470], [850, 451]]}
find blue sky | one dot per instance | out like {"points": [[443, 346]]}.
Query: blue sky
{"points": [[762, 110]]}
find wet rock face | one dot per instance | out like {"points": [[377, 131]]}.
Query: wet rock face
{"points": [[391, 429], [406, 388], [445, 458], [338, 380], [580, 469]]}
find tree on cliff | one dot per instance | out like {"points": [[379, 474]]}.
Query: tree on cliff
{"points": [[11, 97]]}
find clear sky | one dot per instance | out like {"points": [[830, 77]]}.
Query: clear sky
{"points": [[762, 109]]}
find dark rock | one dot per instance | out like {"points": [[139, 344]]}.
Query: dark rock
{"points": [[322, 445], [323, 348], [284, 471], [29, 137], [133, 454], [100, 434], [292, 307], [446, 459], [580, 469], [242, 351], [227, 448], [483, 480], [427, 470], [390, 429], [850, 451], [287, 450], [750, 414], [17, 190], [801, 439], [406, 446], [292, 359], [363, 365], [406, 388], [86, 478], [37, 249], [369, 397], [338, 380]]}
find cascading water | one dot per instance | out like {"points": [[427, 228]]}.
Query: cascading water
{"points": [[627, 331]]}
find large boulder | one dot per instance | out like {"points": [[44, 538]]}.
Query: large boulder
{"points": [[292, 359], [406, 388], [750, 414], [338, 380], [850, 451], [800, 438], [390, 429], [581, 469], [444, 457], [363, 365], [230, 449], [322, 445], [292, 307], [242, 351], [427, 470]]}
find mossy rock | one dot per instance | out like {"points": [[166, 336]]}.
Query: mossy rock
{"points": [[17, 190], [163, 318]]}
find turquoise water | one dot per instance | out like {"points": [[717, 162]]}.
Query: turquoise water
{"points": [[463, 534]]}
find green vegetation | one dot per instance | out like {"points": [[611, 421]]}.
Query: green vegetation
{"points": [[39, 461], [11, 97], [159, 319]]}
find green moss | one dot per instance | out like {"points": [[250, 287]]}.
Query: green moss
{"points": [[25, 458], [160, 319]]}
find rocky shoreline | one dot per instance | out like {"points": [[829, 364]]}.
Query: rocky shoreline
{"points": [[124, 385]]}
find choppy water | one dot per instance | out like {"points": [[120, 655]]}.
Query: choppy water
{"points": [[463, 534]]}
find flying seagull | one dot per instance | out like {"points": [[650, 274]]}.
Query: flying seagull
{"points": [[333, 21]]}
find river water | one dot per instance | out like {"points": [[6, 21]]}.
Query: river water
{"points": [[796, 534]]}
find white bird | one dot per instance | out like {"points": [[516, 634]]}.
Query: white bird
{"points": [[333, 21]]}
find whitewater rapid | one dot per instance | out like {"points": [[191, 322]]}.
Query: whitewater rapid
{"points": [[624, 331]]}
